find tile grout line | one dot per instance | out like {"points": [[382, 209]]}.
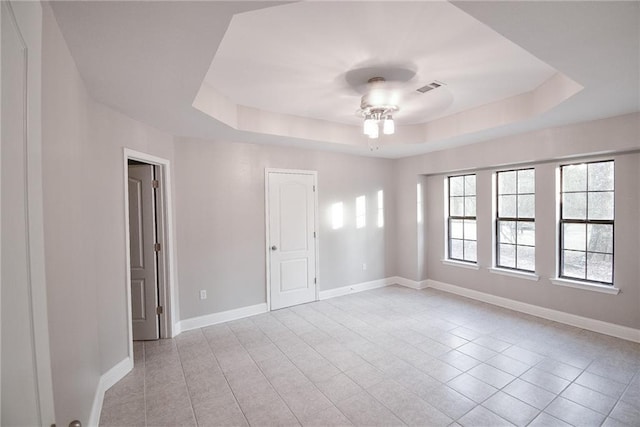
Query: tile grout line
{"points": [[386, 377], [262, 372], [296, 366], [144, 379], [636, 375], [213, 353], [193, 411], [365, 390]]}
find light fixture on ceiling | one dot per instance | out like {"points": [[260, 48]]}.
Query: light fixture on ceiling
{"points": [[377, 108]]}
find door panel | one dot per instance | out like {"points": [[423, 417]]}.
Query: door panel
{"points": [[292, 253], [142, 238], [137, 300], [135, 223], [293, 275], [293, 212]]}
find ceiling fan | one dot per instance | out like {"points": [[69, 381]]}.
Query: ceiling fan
{"points": [[382, 89]]}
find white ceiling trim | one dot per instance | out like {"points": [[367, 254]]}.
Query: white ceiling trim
{"points": [[520, 107]]}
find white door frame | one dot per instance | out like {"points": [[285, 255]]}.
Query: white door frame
{"points": [[166, 260], [27, 21], [267, 248]]}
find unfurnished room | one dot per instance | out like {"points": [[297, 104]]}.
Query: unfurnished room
{"points": [[320, 213]]}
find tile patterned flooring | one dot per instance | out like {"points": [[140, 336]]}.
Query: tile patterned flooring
{"points": [[390, 356]]}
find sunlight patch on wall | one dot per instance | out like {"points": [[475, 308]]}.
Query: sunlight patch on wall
{"points": [[361, 211], [380, 221], [419, 205], [337, 215]]}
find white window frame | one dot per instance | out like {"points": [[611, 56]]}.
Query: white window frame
{"points": [[516, 219], [568, 281], [447, 258]]}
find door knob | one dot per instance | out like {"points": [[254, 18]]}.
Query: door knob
{"points": [[274, 247]]}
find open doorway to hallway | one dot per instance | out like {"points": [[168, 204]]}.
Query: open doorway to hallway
{"points": [[149, 247], [144, 250]]}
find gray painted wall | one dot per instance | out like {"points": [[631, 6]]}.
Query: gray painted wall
{"points": [[220, 220], [616, 135], [84, 226]]}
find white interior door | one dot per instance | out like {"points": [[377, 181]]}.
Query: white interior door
{"points": [[291, 211], [142, 250]]}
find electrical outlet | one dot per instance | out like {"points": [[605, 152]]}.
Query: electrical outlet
{"points": [[364, 266], [203, 294]]}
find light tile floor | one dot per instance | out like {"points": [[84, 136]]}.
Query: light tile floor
{"points": [[391, 356]]}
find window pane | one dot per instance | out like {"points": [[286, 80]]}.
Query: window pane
{"points": [[507, 182], [574, 236], [588, 196], [507, 232], [600, 176], [456, 208], [526, 206], [469, 250], [574, 264], [455, 227], [456, 186], [526, 181], [526, 233], [507, 256], [507, 206], [469, 206], [526, 258], [455, 248], [574, 206], [600, 268], [470, 185], [574, 178], [601, 205], [600, 238], [470, 229]]}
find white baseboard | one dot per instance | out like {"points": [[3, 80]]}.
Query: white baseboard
{"points": [[107, 380], [358, 287], [175, 331], [239, 313], [223, 316], [594, 325], [410, 283]]}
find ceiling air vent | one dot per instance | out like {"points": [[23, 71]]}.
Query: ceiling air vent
{"points": [[431, 86]]}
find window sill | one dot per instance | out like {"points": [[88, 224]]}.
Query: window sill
{"points": [[514, 273], [462, 264], [586, 286]]}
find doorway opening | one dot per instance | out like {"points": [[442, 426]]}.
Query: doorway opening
{"points": [[149, 247]]}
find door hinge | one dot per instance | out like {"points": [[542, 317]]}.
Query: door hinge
{"points": [[157, 247], [159, 310], [315, 280], [314, 188], [314, 234], [155, 183]]}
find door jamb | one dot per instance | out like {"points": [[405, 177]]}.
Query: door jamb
{"points": [[34, 217], [267, 171], [167, 266]]}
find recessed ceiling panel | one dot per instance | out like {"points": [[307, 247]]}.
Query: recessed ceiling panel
{"points": [[295, 59]]}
